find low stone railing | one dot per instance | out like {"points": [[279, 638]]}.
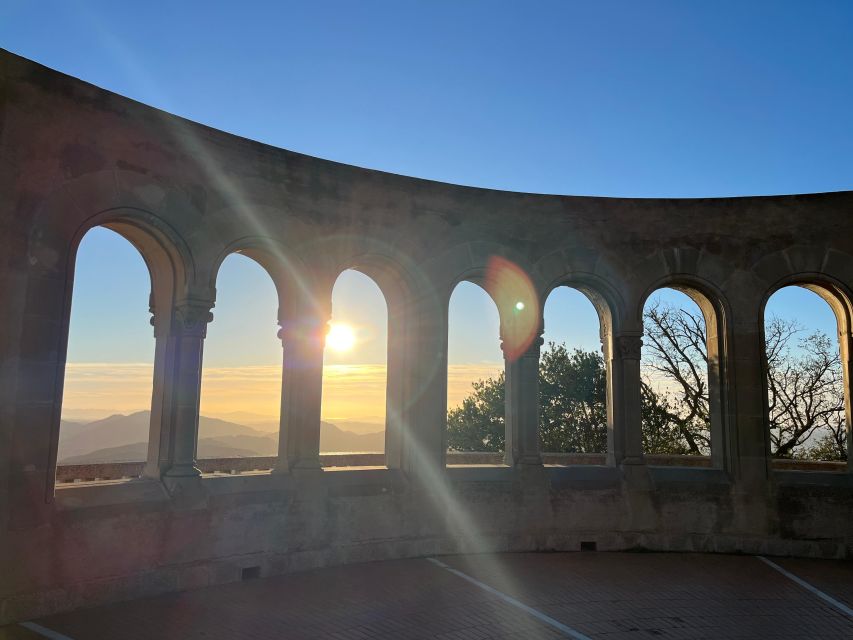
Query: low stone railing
{"points": [[121, 470], [785, 464]]}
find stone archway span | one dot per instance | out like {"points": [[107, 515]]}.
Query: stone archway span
{"points": [[605, 298], [469, 260], [166, 257], [716, 312], [707, 296], [706, 270], [111, 196], [293, 282], [838, 297]]}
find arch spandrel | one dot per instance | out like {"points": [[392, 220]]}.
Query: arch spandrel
{"points": [[470, 261], [828, 272], [690, 267], [68, 212], [591, 274], [294, 283]]}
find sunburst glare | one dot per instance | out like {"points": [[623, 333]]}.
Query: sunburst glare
{"points": [[341, 337]]}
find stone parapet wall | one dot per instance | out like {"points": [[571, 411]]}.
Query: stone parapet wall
{"points": [[128, 470], [113, 541]]}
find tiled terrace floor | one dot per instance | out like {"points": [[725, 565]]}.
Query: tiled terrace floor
{"points": [[606, 596]]}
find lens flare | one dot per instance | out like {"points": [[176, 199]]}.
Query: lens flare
{"points": [[341, 337], [518, 304]]}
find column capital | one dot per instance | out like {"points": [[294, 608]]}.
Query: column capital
{"points": [[532, 350], [629, 347], [302, 329], [192, 317]]}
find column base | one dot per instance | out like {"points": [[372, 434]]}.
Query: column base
{"points": [[307, 463], [531, 459], [182, 471], [152, 471], [186, 492], [281, 468]]}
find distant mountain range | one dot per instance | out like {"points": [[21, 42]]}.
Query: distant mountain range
{"points": [[124, 438]]}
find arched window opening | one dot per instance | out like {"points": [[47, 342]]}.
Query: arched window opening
{"points": [[241, 375], [106, 401], [476, 425], [355, 377], [805, 378], [572, 381], [679, 380]]}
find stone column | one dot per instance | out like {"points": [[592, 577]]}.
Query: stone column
{"points": [[424, 419], [846, 353], [303, 340], [522, 406], [160, 439], [627, 388], [395, 398], [188, 331]]}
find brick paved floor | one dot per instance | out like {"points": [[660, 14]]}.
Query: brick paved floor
{"points": [[831, 577], [605, 596]]}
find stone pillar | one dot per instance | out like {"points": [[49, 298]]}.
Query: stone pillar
{"points": [[846, 353], [395, 402], [303, 340], [751, 435], [424, 419], [188, 331], [522, 406], [627, 400], [160, 439]]}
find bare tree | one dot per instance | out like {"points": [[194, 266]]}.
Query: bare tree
{"points": [[676, 365], [805, 384], [805, 393]]}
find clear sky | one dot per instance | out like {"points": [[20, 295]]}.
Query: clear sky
{"points": [[602, 98]]}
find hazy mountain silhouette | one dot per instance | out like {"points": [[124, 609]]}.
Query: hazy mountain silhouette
{"points": [[333, 438], [123, 438], [136, 452], [118, 430]]}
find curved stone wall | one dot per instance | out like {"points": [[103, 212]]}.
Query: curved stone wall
{"points": [[73, 156]]}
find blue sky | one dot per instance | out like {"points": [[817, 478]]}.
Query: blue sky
{"points": [[602, 98], [682, 99]]}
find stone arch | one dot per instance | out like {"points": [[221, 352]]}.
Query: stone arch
{"points": [[606, 300], [170, 266], [717, 315], [705, 270], [469, 261], [609, 308], [415, 377], [839, 298], [397, 282], [286, 271], [476, 277], [92, 199], [370, 267]]}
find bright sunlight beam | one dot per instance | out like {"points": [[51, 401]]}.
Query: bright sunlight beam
{"points": [[341, 337]]}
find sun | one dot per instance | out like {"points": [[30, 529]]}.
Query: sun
{"points": [[341, 337]]}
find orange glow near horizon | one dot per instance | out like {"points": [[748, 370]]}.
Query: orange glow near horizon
{"points": [[356, 392]]}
